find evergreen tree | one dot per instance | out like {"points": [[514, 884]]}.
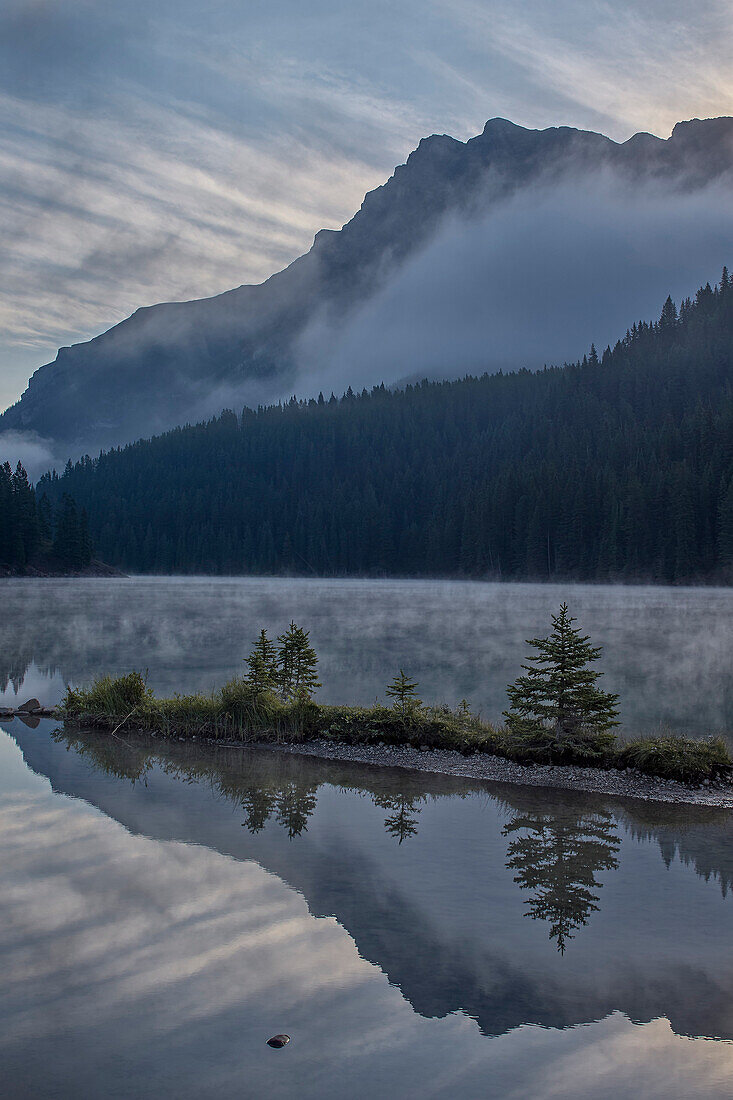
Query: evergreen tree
{"points": [[262, 671], [297, 665], [403, 691], [559, 693], [45, 519], [67, 543]]}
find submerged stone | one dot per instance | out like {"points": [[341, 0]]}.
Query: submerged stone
{"points": [[278, 1041]]}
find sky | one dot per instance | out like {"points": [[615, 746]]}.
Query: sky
{"points": [[169, 150]]}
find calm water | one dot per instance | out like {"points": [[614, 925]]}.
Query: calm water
{"points": [[163, 910], [666, 650]]}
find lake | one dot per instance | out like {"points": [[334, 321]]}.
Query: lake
{"points": [[165, 908], [665, 650]]}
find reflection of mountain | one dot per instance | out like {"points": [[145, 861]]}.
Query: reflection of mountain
{"points": [[441, 915]]}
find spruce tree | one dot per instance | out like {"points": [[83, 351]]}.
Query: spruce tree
{"points": [[297, 665], [262, 674], [403, 691], [558, 694]]}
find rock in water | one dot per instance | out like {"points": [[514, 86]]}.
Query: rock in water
{"points": [[278, 1041], [30, 706]]}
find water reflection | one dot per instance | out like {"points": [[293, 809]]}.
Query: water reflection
{"points": [[167, 951], [557, 857]]}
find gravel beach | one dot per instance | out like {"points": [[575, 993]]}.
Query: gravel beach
{"points": [[627, 784]]}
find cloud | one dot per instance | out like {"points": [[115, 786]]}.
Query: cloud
{"points": [[623, 67], [35, 453], [535, 281], [98, 219], [160, 152]]}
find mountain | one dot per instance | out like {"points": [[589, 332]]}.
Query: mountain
{"points": [[617, 466], [181, 361]]}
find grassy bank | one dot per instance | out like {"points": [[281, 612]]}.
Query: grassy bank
{"points": [[235, 712]]}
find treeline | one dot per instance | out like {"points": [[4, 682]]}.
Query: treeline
{"points": [[33, 531], [618, 466]]}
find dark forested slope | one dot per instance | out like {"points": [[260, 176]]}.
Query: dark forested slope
{"points": [[614, 467], [35, 537]]}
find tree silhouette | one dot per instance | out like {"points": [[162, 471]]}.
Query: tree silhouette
{"points": [[297, 664], [403, 691], [557, 858], [559, 691], [262, 665]]}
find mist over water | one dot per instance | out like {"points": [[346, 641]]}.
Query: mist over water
{"points": [[666, 651]]}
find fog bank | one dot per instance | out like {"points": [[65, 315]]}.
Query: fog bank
{"points": [[536, 280]]}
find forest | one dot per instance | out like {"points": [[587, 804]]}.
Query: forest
{"points": [[35, 535], [619, 466]]}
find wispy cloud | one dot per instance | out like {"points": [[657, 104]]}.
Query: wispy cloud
{"points": [[162, 152], [625, 67], [100, 216]]}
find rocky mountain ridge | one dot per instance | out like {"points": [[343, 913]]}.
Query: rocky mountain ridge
{"points": [[181, 361]]}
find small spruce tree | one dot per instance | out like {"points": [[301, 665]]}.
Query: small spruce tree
{"points": [[297, 665], [262, 674], [559, 692], [403, 691]]}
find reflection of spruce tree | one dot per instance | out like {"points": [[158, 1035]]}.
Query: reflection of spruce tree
{"points": [[295, 804], [292, 804], [557, 859], [400, 824], [258, 804]]}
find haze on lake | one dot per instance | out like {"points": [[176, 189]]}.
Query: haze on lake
{"points": [[665, 650]]}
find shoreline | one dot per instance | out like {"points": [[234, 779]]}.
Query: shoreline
{"points": [[496, 769]]}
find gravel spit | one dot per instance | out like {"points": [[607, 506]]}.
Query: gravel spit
{"points": [[624, 784]]}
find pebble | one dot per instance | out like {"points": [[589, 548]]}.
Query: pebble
{"points": [[278, 1041]]}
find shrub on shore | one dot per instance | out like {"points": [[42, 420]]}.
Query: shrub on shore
{"points": [[558, 715], [679, 758], [237, 713]]}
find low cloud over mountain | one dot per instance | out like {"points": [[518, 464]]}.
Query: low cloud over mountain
{"points": [[516, 248]]}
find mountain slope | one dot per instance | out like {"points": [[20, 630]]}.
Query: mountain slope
{"points": [[181, 361], [619, 467]]}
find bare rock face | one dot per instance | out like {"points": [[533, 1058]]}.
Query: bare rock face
{"points": [[185, 361]]}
